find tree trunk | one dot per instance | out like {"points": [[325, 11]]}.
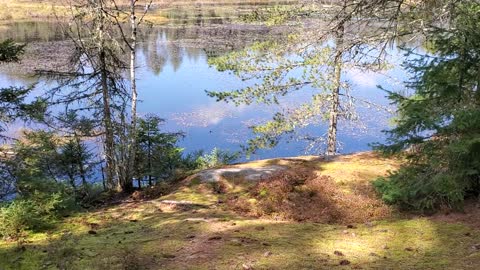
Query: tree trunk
{"points": [[125, 183], [80, 164], [72, 182], [107, 118], [133, 85], [107, 113], [333, 122], [149, 157], [103, 178]]}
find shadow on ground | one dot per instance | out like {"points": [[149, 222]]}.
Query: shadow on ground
{"points": [[194, 228]]}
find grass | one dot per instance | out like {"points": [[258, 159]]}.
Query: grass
{"points": [[18, 11], [206, 234], [164, 11], [29, 11]]}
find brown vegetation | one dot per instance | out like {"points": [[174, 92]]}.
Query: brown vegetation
{"points": [[151, 192], [305, 196]]}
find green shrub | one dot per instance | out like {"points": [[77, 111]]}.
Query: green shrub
{"points": [[17, 217], [216, 158], [52, 198], [443, 175], [91, 194], [42, 203], [201, 160]]}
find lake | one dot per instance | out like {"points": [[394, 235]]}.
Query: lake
{"points": [[174, 75]]}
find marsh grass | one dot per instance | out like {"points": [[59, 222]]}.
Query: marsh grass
{"points": [[162, 12], [16, 11]]}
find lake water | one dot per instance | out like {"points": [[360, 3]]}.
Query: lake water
{"points": [[174, 74]]}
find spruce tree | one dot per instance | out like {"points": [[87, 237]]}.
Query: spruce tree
{"points": [[438, 125]]}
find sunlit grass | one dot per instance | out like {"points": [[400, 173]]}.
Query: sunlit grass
{"points": [[28, 11], [153, 235], [161, 13]]}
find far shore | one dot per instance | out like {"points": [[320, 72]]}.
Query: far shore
{"points": [[31, 10]]}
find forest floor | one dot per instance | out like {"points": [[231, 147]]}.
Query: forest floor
{"points": [[288, 213]]}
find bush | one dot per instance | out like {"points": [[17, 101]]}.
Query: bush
{"points": [[216, 158], [425, 188], [42, 203], [17, 217], [52, 198], [91, 194], [441, 173], [201, 160]]}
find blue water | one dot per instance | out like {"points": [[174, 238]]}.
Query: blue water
{"points": [[178, 95], [174, 75]]}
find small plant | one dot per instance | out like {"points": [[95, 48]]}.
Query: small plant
{"points": [[263, 192], [17, 217], [40, 203], [219, 187], [91, 194], [216, 158], [421, 189]]}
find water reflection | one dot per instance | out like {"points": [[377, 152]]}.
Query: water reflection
{"points": [[174, 74], [172, 45], [27, 32], [206, 13], [207, 115]]}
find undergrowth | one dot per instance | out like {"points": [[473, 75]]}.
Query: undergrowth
{"points": [[304, 196]]}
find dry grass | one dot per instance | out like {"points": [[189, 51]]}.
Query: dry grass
{"points": [[31, 10], [305, 196]]}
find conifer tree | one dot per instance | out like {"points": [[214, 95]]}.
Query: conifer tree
{"points": [[439, 122]]}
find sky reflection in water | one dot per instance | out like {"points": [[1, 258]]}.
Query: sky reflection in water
{"points": [[174, 74]]}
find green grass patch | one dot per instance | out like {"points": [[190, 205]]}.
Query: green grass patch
{"points": [[153, 235]]}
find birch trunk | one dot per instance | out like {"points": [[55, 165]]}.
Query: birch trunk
{"points": [[133, 85]]}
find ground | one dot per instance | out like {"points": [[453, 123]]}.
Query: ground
{"points": [[195, 227]]}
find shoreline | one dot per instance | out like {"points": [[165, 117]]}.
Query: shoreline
{"points": [[162, 12]]}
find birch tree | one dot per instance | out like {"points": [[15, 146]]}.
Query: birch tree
{"points": [[132, 46], [101, 35]]}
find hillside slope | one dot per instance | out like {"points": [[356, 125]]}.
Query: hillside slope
{"points": [[260, 215]]}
